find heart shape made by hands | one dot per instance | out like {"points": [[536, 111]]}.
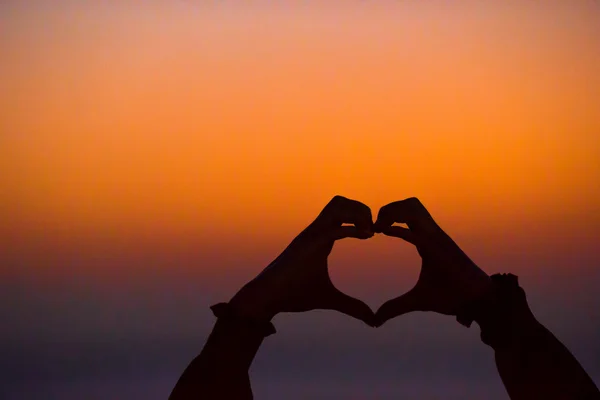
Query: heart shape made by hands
{"points": [[373, 270], [298, 279], [448, 279]]}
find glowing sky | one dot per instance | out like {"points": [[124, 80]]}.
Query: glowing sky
{"points": [[181, 129]]}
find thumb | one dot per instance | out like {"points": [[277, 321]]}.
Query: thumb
{"points": [[404, 304], [355, 308], [400, 232], [328, 239], [342, 232]]}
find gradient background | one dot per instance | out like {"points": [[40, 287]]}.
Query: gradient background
{"points": [[156, 155]]}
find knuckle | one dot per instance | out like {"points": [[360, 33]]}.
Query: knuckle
{"points": [[414, 200], [337, 199], [365, 209], [417, 206], [383, 212]]}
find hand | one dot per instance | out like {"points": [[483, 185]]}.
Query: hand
{"points": [[448, 277], [298, 280]]}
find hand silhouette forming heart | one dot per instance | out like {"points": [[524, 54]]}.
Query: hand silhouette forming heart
{"points": [[298, 279], [531, 362]]}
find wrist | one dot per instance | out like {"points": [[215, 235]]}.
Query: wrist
{"points": [[231, 319], [252, 311], [250, 306], [501, 312]]}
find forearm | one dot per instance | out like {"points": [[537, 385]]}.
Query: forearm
{"points": [[542, 367], [221, 369], [531, 361]]}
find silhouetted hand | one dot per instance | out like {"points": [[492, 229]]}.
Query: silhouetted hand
{"points": [[298, 280], [448, 277]]}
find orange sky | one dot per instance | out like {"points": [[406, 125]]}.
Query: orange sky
{"points": [[173, 119]]}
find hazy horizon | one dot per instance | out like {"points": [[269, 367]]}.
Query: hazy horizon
{"points": [[157, 156]]}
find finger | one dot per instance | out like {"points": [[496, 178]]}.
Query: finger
{"points": [[355, 308], [342, 210], [404, 304], [402, 233], [409, 211], [343, 232]]}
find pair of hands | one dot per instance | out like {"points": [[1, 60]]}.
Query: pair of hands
{"points": [[298, 280]]}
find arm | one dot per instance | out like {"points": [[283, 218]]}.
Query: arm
{"points": [[296, 281], [532, 363], [221, 369], [543, 368]]}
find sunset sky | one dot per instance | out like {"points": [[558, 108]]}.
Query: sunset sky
{"points": [[155, 156]]}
